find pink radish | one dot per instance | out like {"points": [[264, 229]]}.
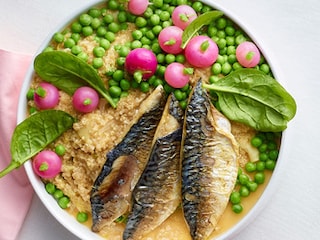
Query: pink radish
{"points": [[137, 7], [141, 63], [183, 15], [170, 39], [46, 96], [47, 164], [248, 54], [201, 51], [177, 75], [85, 99]]}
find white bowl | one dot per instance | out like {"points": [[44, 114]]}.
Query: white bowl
{"points": [[82, 231]]}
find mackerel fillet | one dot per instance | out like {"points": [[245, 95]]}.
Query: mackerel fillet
{"points": [[209, 164]]}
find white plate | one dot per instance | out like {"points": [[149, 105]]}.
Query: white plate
{"points": [[83, 232]]}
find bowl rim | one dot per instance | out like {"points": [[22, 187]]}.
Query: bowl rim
{"points": [[69, 221]]}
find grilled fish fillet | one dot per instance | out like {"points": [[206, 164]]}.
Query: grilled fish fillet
{"points": [[111, 193], [157, 194], [209, 164]]}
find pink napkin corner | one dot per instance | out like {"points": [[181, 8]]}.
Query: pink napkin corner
{"points": [[15, 189]]}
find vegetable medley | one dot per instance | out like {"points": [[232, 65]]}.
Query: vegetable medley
{"points": [[170, 41]]}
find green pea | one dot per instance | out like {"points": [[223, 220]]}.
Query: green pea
{"points": [[244, 191], [158, 3], [183, 104], [124, 84], [122, 16], [60, 150], [108, 18], [85, 19], [166, 24], [250, 167], [179, 94], [237, 208], [259, 177], [137, 34], [216, 68], [105, 44], [263, 147], [118, 75], [157, 29], [263, 156], [232, 59], [76, 37], [136, 44], [260, 165], [121, 61], [164, 16], [110, 36], [87, 31], [98, 51], [270, 164], [76, 27], [197, 6], [64, 202], [252, 186], [94, 12], [58, 194], [180, 58], [144, 87], [69, 43], [230, 30], [161, 58], [226, 68], [97, 62], [50, 188], [83, 56], [140, 22], [115, 91], [170, 58], [114, 27], [157, 82], [113, 4], [265, 68], [273, 154], [82, 217], [145, 41], [58, 37], [101, 31], [243, 178], [235, 197], [236, 66], [155, 20]]}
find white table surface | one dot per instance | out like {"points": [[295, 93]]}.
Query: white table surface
{"points": [[289, 31]]}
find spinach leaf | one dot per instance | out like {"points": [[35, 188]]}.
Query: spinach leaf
{"points": [[34, 134], [67, 72], [251, 97], [197, 24]]}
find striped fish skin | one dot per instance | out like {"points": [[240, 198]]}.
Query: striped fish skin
{"points": [[111, 192], [209, 164], [157, 194]]}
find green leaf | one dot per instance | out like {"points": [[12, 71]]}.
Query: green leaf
{"points": [[197, 24], [67, 72], [251, 97], [34, 133]]}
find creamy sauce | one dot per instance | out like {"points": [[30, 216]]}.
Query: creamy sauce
{"points": [[175, 227]]}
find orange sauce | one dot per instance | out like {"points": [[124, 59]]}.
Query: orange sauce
{"points": [[175, 227]]}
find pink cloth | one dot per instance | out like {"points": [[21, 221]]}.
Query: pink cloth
{"points": [[15, 189]]}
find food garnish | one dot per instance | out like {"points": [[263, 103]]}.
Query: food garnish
{"points": [[68, 72], [34, 133], [251, 97]]}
